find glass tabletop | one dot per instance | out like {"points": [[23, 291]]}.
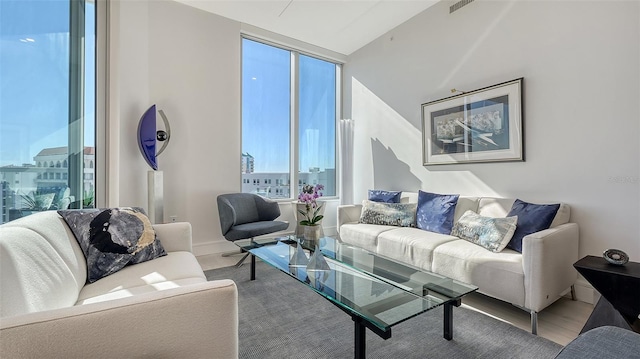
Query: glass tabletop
{"points": [[382, 291], [409, 278]]}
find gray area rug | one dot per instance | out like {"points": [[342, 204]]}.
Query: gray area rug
{"points": [[280, 317]]}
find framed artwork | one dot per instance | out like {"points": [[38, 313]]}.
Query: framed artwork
{"points": [[483, 125]]}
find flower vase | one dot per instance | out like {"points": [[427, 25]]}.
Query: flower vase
{"points": [[301, 206], [312, 234]]}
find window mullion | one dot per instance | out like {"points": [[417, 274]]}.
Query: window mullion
{"points": [[295, 114], [338, 109], [76, 99]]}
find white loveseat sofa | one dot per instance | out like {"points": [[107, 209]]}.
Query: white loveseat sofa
{"points": [[162, 308], [531, 280]]}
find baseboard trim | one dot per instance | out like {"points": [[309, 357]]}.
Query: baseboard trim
{"points": [[585, 292], [211, 247]]}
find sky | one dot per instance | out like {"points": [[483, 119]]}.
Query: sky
{"points": [[34, 78], [266, 109]]}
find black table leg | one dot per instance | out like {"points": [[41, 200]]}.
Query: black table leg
{"points": [[253, 267], [448, 317], [360, 339], [448, 321]]}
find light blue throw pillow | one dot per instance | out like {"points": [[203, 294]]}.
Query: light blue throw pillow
{"points": [[389, 214], [435, 211], [491, 233], [378, 195]]}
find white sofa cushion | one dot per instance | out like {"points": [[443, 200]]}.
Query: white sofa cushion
{"points": [[363, 235], [59, 271], [173, 270], [465, 204], [500, 275], [31, 288], [411, 245]]}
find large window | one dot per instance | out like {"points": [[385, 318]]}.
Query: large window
{"points": [[288, 121], [47, 105]]}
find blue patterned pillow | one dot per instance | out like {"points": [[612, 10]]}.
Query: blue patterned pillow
{"points": [[491, 233], [531, 218], [377, 195], [113, 238], [435, 211], [389, 214]]}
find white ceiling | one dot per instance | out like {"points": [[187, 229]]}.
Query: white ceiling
{"points": [[342, 26]]}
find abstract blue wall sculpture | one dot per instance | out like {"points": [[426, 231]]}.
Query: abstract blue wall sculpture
{"points": [[148, 135]]}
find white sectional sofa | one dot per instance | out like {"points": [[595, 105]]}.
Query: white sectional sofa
{"points": [[162, 308], [531, 280]]}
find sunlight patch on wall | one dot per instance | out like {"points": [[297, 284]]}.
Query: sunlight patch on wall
{"points": [[374, 117], [400, 166]]}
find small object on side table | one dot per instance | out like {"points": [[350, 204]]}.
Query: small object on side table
{"points": [[620, 289], [616, 257]]}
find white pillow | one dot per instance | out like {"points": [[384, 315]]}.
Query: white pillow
{"points": [[491, 233]]}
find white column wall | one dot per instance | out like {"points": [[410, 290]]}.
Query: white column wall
{"points": [[187, 62]]}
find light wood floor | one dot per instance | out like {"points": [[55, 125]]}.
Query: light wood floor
{"points": [[560, 322]]}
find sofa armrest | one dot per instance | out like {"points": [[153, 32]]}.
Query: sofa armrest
{"points": [[547, 259], [195, 321], [349, 213], [174, 236]]}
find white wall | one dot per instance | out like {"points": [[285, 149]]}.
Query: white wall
{"points": [[581, 67], [188, 63]]}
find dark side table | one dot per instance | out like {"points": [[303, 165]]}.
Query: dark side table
{"points": [[619, 286]]}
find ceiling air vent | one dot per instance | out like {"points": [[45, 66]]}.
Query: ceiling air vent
{"points": [[457, 6]]}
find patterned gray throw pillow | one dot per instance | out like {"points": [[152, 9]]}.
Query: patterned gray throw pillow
{"points": [[113, 238], [491, 233], [389, 214]]}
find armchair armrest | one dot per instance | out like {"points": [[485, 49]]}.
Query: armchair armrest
{"points": [[174, 236], [547, 259], [195, 321], [349, 213]]}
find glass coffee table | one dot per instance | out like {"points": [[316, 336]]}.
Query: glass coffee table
{"points": [[377, 292]]}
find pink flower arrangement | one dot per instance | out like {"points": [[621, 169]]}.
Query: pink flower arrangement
{"points": [[309, 196]]}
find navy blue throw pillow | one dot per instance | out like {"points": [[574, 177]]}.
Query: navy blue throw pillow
{"points": [[377, 195], [531, 218], [435, 212]]}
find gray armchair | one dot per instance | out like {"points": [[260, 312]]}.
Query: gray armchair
{"points": [[247, 215], [603, 342]]}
